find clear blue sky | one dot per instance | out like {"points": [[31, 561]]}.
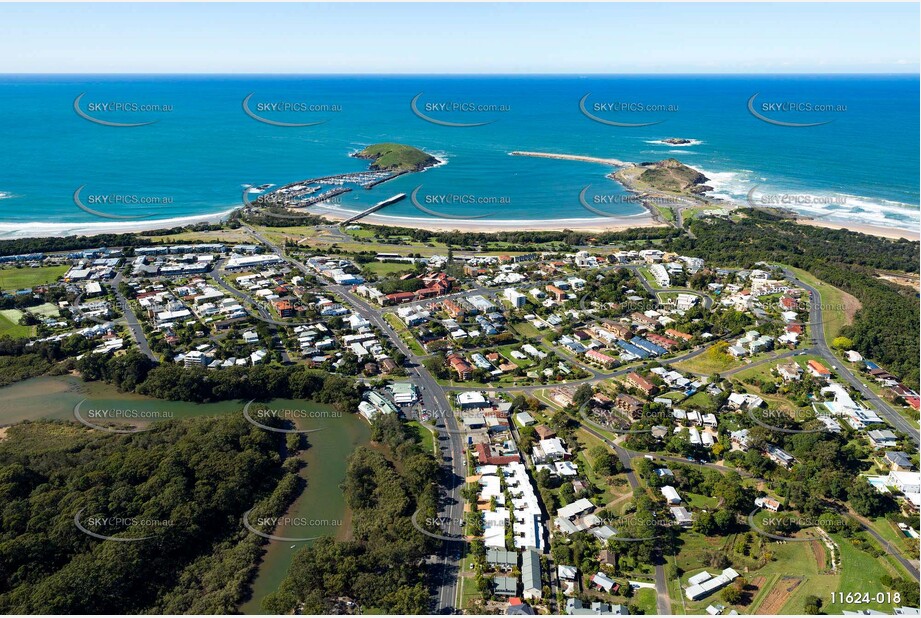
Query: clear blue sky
{"points": [[460, 38]]}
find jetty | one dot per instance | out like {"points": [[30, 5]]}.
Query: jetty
{"points": [[568, 157], [364, 213]]}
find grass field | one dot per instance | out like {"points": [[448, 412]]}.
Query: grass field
{"points": [[12, 279], [387, 268], [47, 310], [710, 362], [9, 325], [425, 436], [645, 599], [861, 573], [217, 236], [404, 333], [838, 307], [526, 330]]}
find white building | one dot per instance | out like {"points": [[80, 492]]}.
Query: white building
{"points": [[516, 298]]}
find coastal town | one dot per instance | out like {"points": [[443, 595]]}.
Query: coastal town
{"points": [[629, 426], [460, 308]]}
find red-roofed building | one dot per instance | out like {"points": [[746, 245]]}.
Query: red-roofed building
{"points": [[639, 382], [399, 297], [665, 342], [484, 456], [453, 309], [557, 293], [598, 357], [428, 292], [818, 369], [671, 332], [284, 308], [788, 303], [462, 367]]}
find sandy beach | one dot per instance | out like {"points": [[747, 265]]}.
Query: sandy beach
{"points": [[334, 213], [593, 224], [884, 232], [37, 229]]}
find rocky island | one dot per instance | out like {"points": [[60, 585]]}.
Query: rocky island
{"points": [[677, 141], [397, 158]]}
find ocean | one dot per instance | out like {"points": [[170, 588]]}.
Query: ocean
{"points": [[197, 145]]}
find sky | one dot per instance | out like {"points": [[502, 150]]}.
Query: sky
{"points": [[460, 38]]}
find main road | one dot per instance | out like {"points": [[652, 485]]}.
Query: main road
{"points": [[132, 319], [817, 330], [451, 506]]}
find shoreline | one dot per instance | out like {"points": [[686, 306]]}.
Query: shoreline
{"points": [[587, 224], [39, 229], [18, 231], [865, 228]]}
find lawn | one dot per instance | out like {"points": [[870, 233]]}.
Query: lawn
{"points": [[644, 272], [645, 599], [425, 435], [698, 501], [666, 212], [506, 351], [838, 307], [387, 268], [404, 333], [861, 573], [12, 279], [46, 310], [216, 236], [11, 327], [526, 330], [710, 362]]}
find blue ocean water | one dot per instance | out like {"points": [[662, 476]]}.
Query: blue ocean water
{"points": [[202, 147]]}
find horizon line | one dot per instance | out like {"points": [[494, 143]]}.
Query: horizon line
{"points": [[916, 74]]}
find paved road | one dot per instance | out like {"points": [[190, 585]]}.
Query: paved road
{"points": [[663, 601], [707, 300], [264, 314], [451, 447], [132, 320], [911, 567], [817, 331], [597, 375]]}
